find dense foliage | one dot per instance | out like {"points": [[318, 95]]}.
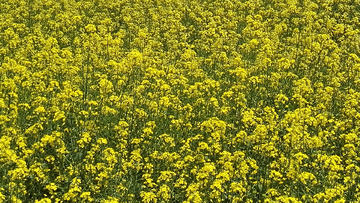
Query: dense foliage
{"points": [[179, 101]]}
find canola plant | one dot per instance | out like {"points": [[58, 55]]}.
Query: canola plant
{"points": [[181, 101]]}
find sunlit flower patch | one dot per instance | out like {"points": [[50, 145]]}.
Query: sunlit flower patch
{"points": [[179, 101]]}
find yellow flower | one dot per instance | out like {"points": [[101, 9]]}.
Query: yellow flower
{"points": [[148, 180], [102, 141], [111, 199], [136, 141], [281, 98], [107, 110], [85, 138], [165, 102], [342, 200], [50, 159], [110, 156], [304, 176], [86, 197], [214, 102], [272, 192], [164, 193], [14, 199], [166, 176], [48, 139], [90, 28], [59, 115], [51, 187], [237, 187], [2, 197], [203, 146], [105, 86], [40, 110], [300, 157], [135, 57], [253, 43], [277, 176], [287, 199], [34, 129], [148, 197], [181, 183]]}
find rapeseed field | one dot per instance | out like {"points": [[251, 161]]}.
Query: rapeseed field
{"points": [[180, 101]]}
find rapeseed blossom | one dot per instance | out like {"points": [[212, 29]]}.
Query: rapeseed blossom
{"points": [[179, 101]]}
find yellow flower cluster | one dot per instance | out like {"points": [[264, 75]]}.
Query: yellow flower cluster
{"points": [[195, 101]]}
